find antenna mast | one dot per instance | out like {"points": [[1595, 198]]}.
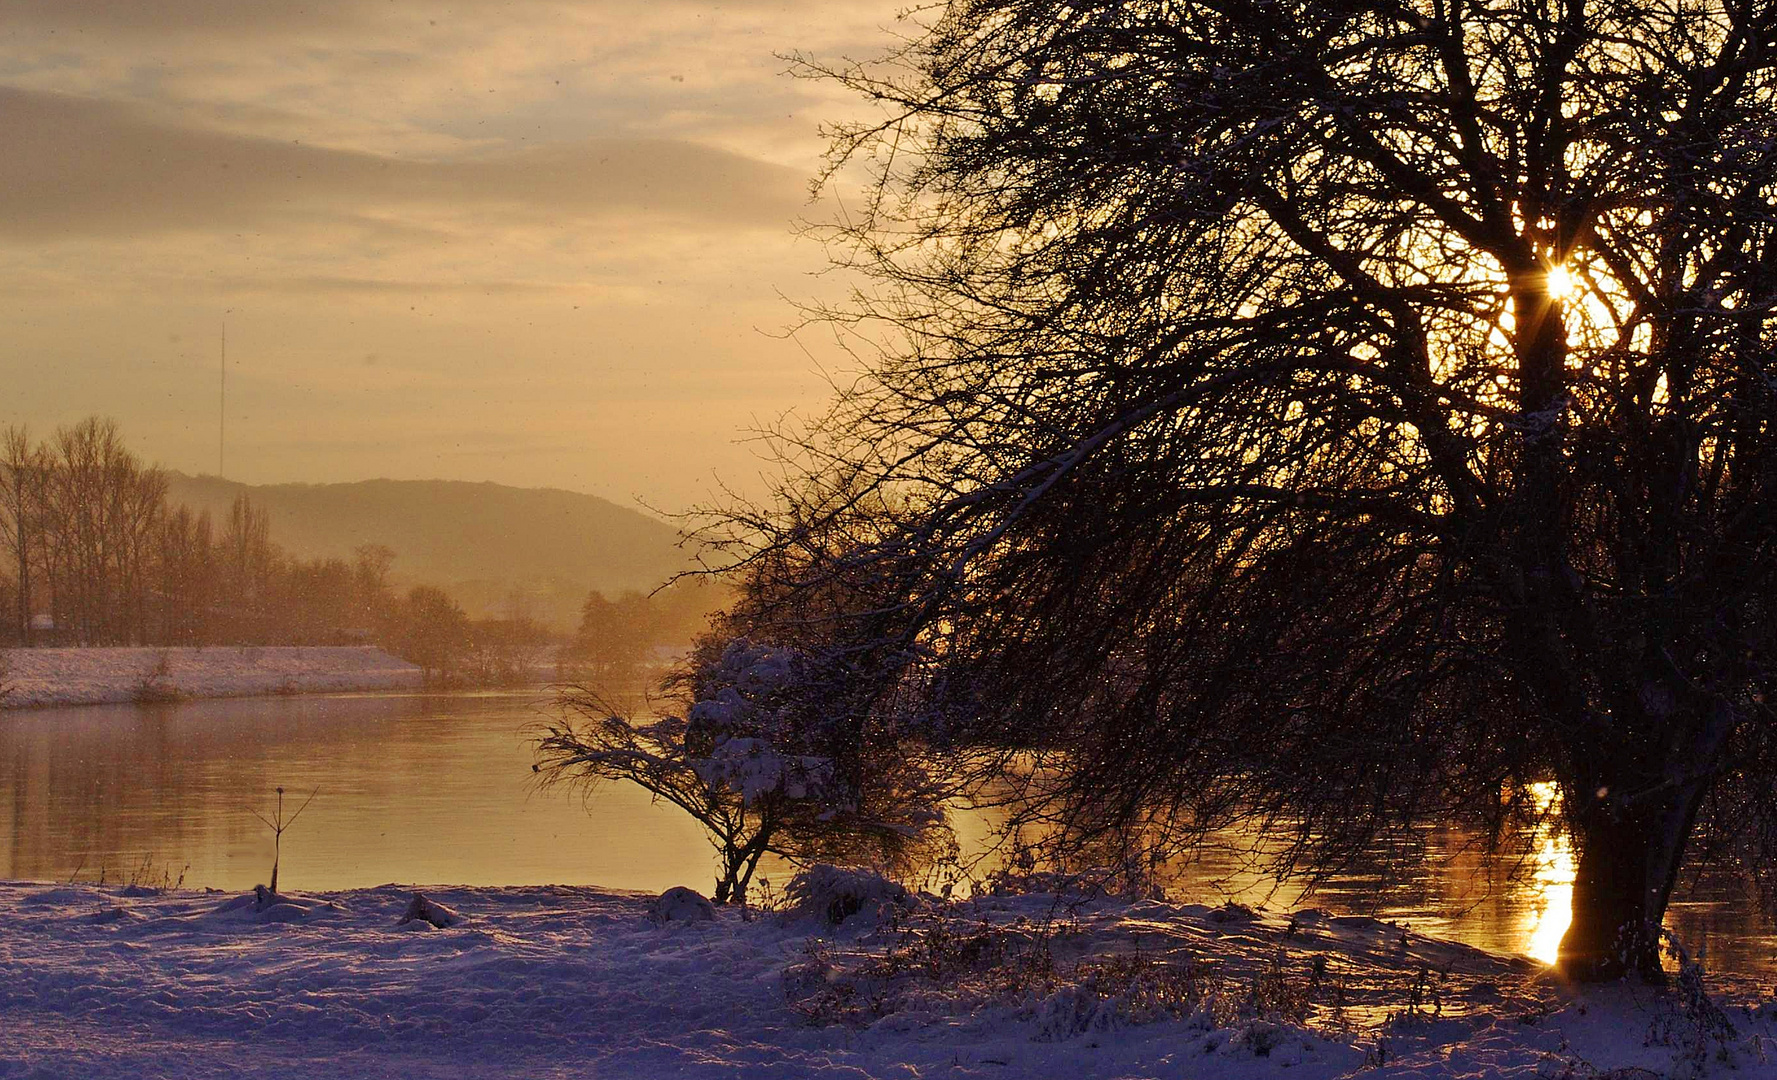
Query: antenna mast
{"points": [[222, 409]]}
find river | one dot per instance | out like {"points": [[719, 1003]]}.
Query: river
{"points": [[438, 789]]}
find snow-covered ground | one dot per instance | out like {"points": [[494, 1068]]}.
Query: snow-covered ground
{"points": [[39, 677], [567, 982]]}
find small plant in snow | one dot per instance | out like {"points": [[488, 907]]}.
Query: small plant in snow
{"points": [[1378, 1054], [1274, 995], [278, 826], [148, 878], [155, 686], [930, 959], [834, 894], [770, 898], [1693, 1025], [1427, 990], [1132, 989]]}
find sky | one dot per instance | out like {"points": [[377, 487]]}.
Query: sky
{"points": [[539, 242]]}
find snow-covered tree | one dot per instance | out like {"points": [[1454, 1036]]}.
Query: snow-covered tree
{"points": [[763, 754]]}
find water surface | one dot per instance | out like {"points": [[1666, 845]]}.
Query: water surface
{"points": [[417, 788], [430, 789]]}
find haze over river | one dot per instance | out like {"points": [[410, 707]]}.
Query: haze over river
{"points": [[438, 789]]}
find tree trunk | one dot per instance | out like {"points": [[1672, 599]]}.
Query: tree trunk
{"points": [[24, 573], [751, 863], [1628, 863], [730, 875]]}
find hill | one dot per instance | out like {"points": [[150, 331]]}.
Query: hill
{"points": [[494, 548]]}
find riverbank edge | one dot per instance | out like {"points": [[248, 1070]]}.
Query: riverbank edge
{"points": [[60, 677]]}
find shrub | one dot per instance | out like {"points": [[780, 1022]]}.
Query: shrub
{"points": [[155, 685], [763, 755], [833, 894]]}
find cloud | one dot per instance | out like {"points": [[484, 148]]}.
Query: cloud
{"points": [[187, 16], [562, 221], [414, 76], [260, 16], [79, 166]]}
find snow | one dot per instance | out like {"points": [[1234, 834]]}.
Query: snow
{"points": [[749, 690], [43, 677], [573, 982], [680, 904], [833, 894], [753, 768], [422, 914]]}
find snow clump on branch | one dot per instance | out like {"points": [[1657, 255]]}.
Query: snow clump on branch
{"points": [[752, 687]]}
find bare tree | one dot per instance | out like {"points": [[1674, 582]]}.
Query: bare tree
{"points": [[1325, 416], [87, 526], [101, 506], [370, 583], [186, 562], [248, 562], [22, 471], [141, 495]]}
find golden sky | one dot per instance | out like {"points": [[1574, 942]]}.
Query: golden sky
{"points": [[540, 242]]}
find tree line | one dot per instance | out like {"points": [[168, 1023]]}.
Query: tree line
{"points": [[99, 556], [95, 554]]}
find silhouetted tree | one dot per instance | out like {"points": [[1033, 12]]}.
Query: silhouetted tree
{"points": [[614, 639], [617, 639], [432, 631], [502, 652], [761, 751], [1325, 416]]}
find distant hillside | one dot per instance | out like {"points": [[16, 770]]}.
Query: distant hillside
{"points": [[479, 541]]}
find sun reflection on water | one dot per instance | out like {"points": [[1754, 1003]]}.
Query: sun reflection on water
{"points": [[1552, 874]]}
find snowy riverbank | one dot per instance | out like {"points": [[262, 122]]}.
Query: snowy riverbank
{"points": [[95, 982], [44, 677]]}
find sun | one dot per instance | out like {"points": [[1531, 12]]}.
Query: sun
{"points": [[1560, 283]]}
